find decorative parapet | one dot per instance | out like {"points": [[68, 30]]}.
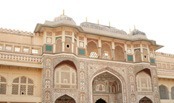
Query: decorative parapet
{"points": [[21, 58], [164, 54], [4, 30]]}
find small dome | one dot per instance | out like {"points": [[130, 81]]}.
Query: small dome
{"points": [[137, 32], [63, 19]]}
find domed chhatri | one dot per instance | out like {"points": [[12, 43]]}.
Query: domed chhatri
{"points": [[137, 32], [63, 19]]}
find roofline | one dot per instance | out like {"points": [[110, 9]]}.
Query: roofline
{"points": [[79, 28]]}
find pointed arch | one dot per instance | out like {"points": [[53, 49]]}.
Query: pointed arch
{"points": [[65, 99], [106, 51], [118, 86], [137, 54], [119, 53], [3, 85], [65, 75], [100, 101], [58, 44], [145, 100], [92, 49], [143, 80], [164, 92], [172, 92]]}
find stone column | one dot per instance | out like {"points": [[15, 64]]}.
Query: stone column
{"points": [[132, 49], [125, 51], [63, 41], [99, 48], [54, 42], [141, 51], [72, 45]]}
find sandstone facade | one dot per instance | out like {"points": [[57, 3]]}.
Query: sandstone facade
{"points": [[64, 63]]}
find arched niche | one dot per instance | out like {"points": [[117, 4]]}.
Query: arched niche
{"points": [[92, 49], [119, 53], [65, 75], [143, 80], [109, 85]]}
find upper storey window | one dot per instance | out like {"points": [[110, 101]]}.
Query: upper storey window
{"points": [[49, 37], [26, 50], [145, 54], [17, 49], [22, 86], [119, 53], [8, 48], [137, 55], [106, 51], [35, 51], [81, 44], [2, 85], [92, 50]]}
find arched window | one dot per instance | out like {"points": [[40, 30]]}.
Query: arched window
{"points": [[145, 55], [23, 86], [58, 44], [65, 76], [2, 85], [68, 42], [164, 93], [137, 53], [172, 92], [106, 51], [143, 80], [92, 50], [119, 53]]}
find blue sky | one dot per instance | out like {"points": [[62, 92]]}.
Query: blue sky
{"points": [[154, 17]]}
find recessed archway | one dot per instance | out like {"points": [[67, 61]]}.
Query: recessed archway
{"points": [[100, 101], [145, 100], [106, 85], [65, 99]]}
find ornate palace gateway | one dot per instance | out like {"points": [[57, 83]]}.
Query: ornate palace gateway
{"points": [[64, 63]]}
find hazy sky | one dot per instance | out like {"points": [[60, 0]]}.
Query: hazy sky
{"points": [[154, 17]]}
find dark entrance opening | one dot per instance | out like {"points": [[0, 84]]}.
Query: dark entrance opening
{"points": [[100, 101], [145, 100], [65, 99]]}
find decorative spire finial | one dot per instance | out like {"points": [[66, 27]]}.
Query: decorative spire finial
{"points": [[63, 13], [109, 23], [134, 27], [98, 21]]}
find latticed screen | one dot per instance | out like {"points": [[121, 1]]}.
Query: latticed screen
{"points": [[65, 77], [2, 85], [22, 86], [143, 82], [15, 89]]}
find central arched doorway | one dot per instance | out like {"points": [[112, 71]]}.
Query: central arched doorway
{"points": [[145, 100], [100, 101], [108, 87], [65, 99]]}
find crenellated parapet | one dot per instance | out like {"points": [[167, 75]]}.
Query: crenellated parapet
{"points": [[12, 31]]}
